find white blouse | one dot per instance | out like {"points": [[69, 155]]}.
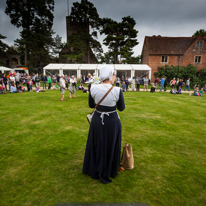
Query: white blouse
{"points": [[97, 91]]}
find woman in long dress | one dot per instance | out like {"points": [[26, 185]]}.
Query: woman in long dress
{"points": [[102, 155]]}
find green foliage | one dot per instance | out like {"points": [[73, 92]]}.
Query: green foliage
{"points": [[36, 19], [202, 77], [177, 72], [86, 14], [3, 46], [57, 45], [201, 32], [120, 37], [76, 48]]}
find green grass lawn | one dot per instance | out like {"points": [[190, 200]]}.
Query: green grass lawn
{"points": [[42, 144]]}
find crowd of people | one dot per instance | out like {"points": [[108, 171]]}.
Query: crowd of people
{"points": [[15, 83]]}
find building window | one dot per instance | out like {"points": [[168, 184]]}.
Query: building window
{"points": [[164, 58], [199, 44], [198, 59]]}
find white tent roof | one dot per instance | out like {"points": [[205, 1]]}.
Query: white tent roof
{"points": [[96, 66], [5, 68], [140, 67], [54, 66], [71, 66]]}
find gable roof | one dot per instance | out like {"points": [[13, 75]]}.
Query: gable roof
{"points": [[168, 45]]}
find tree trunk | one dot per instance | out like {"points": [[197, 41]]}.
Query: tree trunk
{"points": [[26, 55], [88, 47]]}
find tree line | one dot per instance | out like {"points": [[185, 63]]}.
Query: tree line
{"points": [[37, 46]]}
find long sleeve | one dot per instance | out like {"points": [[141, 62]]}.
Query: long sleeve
{"points": [[120, 103], [91, 101]]}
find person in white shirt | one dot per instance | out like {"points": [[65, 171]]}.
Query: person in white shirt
{"points": [[62, 87], [72, 86], [102, 155]]}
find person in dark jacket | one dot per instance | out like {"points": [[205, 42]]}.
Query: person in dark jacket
{"points": [[5, 80], [165, 84], [44, 80], [37, 81], [58, 79]]}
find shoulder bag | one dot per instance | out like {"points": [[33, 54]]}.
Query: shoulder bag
{"points": [[89, 116]]}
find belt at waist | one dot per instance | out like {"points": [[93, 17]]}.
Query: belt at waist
{"points": [[106, 113]]}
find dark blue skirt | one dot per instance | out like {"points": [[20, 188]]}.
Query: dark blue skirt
{"points": [[102, 155]]}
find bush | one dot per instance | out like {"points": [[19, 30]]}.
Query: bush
{"points": [[182, 72]]}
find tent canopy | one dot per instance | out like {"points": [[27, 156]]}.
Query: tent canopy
{"points": [[4, 69], [95, 67]]}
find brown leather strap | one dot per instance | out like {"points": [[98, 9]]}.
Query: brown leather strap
{"points": [[103, 97]]}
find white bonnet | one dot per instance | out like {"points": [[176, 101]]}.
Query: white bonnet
{"points": [[106, 72]]}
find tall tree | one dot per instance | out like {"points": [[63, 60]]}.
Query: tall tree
{"points": [[199, 32], [3, 46], [57, 45], [120, 37], [75, 49], [30, 14], [85, 13]]}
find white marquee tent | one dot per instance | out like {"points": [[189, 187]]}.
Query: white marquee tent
{"points": [[120, 69], [4, 69]]}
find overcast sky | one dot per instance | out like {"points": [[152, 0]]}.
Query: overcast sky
{"points": [[153, 17]]}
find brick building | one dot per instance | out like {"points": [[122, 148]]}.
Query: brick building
{"points": [[177, 51]]}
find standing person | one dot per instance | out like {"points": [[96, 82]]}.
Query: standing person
{"points": [[30, 83], [133, 83], [187, 85], [204, 89], [138, 84], [162, 84], [117, 82], [5, 80], [102, 154], [146, 83], [83, 79], [126, 82], [12, 79], [49, 82], [178, 83], [37, 81], [165, 84], [172, 82], [58, 79], [54, 80], [17, 79], [72, 86], [62, 87], [27, 78], [124, 87], [44, 80], [156, 83], [66, 81]]}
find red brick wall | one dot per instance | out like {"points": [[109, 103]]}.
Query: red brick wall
{"points": [[192, 51], [154, 61]]}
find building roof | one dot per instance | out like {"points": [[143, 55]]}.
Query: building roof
{"points": [[168, 45]]}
